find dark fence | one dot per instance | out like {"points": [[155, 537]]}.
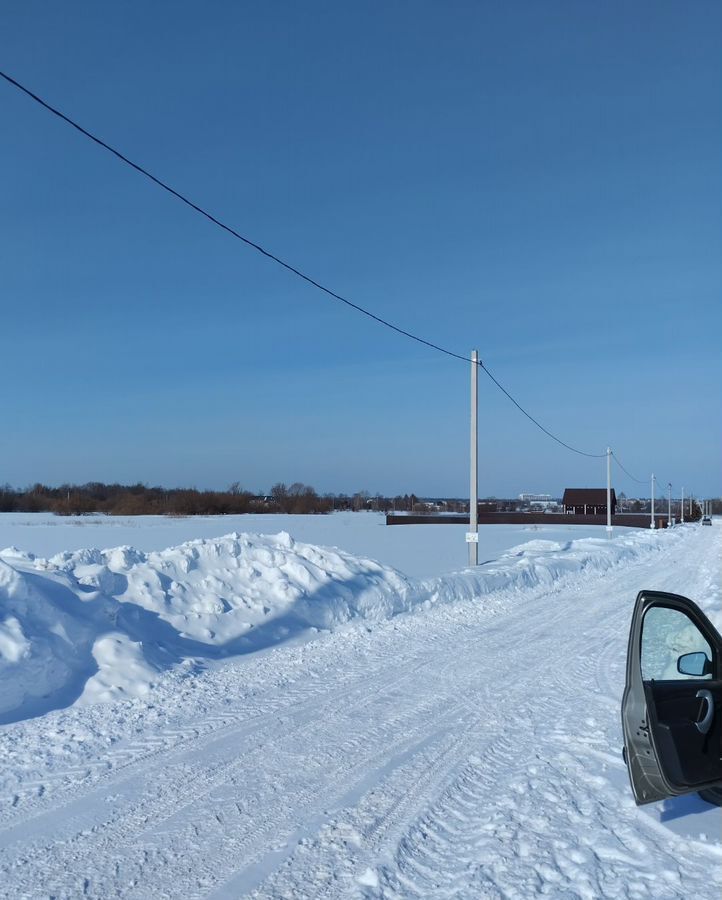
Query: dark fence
{"points": [[628, 520]]}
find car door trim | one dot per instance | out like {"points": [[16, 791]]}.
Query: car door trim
{"points": [[705, 724]]}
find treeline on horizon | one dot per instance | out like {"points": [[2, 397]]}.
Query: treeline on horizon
{"points": [[296, 498], [139, 499]]}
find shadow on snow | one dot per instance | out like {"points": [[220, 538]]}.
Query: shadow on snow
{"points": [[162, 645]]}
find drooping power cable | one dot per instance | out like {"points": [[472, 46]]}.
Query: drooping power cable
{"points": [[281, 262], [629, 474]]}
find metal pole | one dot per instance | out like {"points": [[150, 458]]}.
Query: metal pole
{"points": [[681, 508], [651, 524], [669, 505], [609, 490], [473, 537]]}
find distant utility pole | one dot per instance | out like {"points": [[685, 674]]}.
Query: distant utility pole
{"points": [[609, 490], [669, 505], [472, 535], [681, 508], [651, 523]]}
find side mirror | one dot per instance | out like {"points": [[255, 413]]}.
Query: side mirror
{"points": [[696, 664]]}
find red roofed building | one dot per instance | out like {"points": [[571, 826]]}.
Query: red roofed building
{"points": [[588, 501]]}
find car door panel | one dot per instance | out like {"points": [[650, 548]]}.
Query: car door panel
{"points": [[666, 753], [689, 757]]}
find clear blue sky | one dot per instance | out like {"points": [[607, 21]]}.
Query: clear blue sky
{"points": [[540, 181]]}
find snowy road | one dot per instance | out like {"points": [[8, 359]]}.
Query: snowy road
{"points": [[467, 750]]}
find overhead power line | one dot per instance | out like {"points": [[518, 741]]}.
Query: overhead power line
{"points": [[657, 479], [277, 259], [629, 474], [227, 228], [538, 424]]}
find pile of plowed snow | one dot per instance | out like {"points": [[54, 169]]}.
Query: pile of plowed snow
{"points": [[102, 624]]}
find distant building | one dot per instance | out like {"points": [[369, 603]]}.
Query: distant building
{"points": [[588, 501], [535, 498]]}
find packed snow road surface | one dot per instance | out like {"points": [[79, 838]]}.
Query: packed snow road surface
{"points": [[464, 749]]}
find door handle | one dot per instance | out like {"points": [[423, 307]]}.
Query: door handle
{"points": [[704, 725]]}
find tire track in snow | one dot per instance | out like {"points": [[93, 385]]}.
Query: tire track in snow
{"points": [[169, 790], [197, 734], [485, 835], [439, 859], [330, 784]]}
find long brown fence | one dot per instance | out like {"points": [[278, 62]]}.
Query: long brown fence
{"points": [[626, 520]]}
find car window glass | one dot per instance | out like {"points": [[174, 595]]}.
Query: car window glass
{"points": [[667, 634]]}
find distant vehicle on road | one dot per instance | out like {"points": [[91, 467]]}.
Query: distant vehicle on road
{"points": [[706, 520], [672, 702]]}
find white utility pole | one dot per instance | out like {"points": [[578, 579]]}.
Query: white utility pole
{"points": [[669, 505], [609, 490], [651, 523], [472, 536], [681, 508]]}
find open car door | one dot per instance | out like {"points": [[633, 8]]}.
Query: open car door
{"points": [[672, 703]]}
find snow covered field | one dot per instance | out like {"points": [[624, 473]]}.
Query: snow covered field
{"points": [[417, 550], [450, 735]]}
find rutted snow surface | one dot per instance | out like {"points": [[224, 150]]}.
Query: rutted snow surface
{"points": [[469, 748]]}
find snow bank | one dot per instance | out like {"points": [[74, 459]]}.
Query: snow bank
{"points": [[541, 562], [102, 624]]}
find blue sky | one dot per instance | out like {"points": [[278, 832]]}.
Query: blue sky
{"points": [[540, 181]]}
